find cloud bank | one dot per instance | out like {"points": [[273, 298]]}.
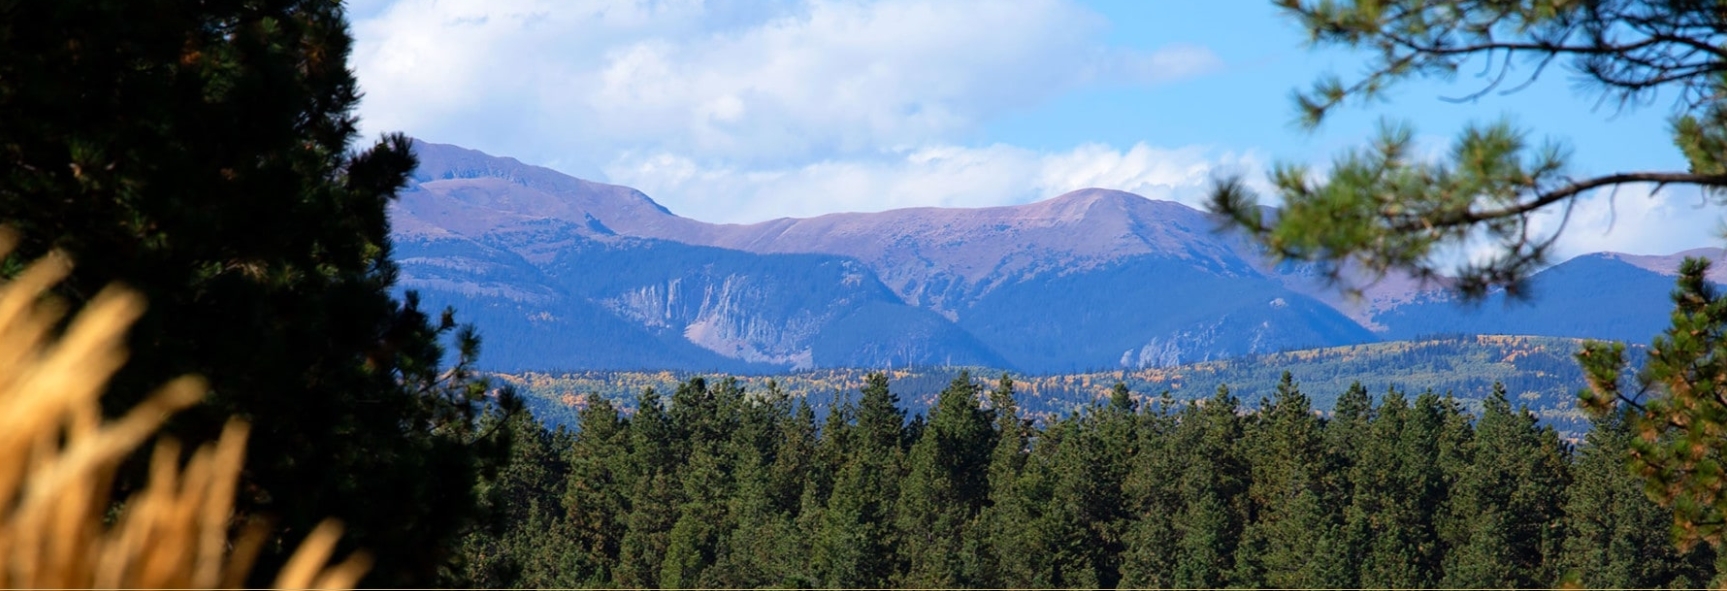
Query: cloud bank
{"points": [[768, 103], [944, 176], [1636, 221], [748, 83], [740, 111]]}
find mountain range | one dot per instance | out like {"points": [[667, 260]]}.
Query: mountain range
{"points": [[562, 273]]}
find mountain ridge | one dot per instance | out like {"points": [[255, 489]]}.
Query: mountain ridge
{"points": [[1088, 279]]}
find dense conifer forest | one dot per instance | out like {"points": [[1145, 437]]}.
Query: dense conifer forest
{"points": [[716, 486]]}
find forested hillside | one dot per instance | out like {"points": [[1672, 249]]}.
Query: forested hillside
{"points": [[1536, 371], [718, 486]]}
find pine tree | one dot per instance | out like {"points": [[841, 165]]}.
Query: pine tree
{"points": [[1152, 493], [1287, 516], [693, 542], [796, 463], [1350, 424], [1394, 475], [851, 547], [836, 444], [945, 487], [1616, 537], [1507, 502], [794, 478], [597, 494], [880, 421], [521, 538], [1678, 450], [762, 546], [1386, 207], [1053, 537], [1088, 519], [655, 494], [717, 430], [751, 549], [199, 152], [854, 541], [1213, 491], [997, 540], [1117, 435]]}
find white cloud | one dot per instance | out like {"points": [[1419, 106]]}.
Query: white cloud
{"points": [[1631, 221], [742, 110], [945, 176], [1636, 222], [753, 84]]}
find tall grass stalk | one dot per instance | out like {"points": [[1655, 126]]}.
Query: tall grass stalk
{"points": [[58, 457]]}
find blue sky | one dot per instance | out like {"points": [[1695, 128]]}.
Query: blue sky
{"points": [[740, 111]]}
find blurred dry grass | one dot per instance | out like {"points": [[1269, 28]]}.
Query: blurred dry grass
{"points": [[58, 458]]}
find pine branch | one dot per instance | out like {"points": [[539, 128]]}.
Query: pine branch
{"points": [[1544, 199]]}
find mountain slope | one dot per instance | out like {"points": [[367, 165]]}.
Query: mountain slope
{"points": [[796, 310], [529, 321], [597, 275], [944, 259], [1090, 279], [550, 293], [1151, 311], [1597, 296]]}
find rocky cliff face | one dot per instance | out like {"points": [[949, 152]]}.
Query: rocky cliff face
{"points": [[553, 294]]}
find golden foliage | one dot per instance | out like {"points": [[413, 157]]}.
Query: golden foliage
{"points": [[58, 458]]}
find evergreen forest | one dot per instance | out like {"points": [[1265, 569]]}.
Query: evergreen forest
{"points": [[716, 486]]}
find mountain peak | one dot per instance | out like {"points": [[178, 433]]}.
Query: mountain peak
{"points": [[456, 187], [1092, 196], [1669, 264], [1088, 207], [445, 161]]}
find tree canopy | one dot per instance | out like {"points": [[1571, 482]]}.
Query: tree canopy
{"points": [[1388, 491], [1384, 208], [200, 152]]}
